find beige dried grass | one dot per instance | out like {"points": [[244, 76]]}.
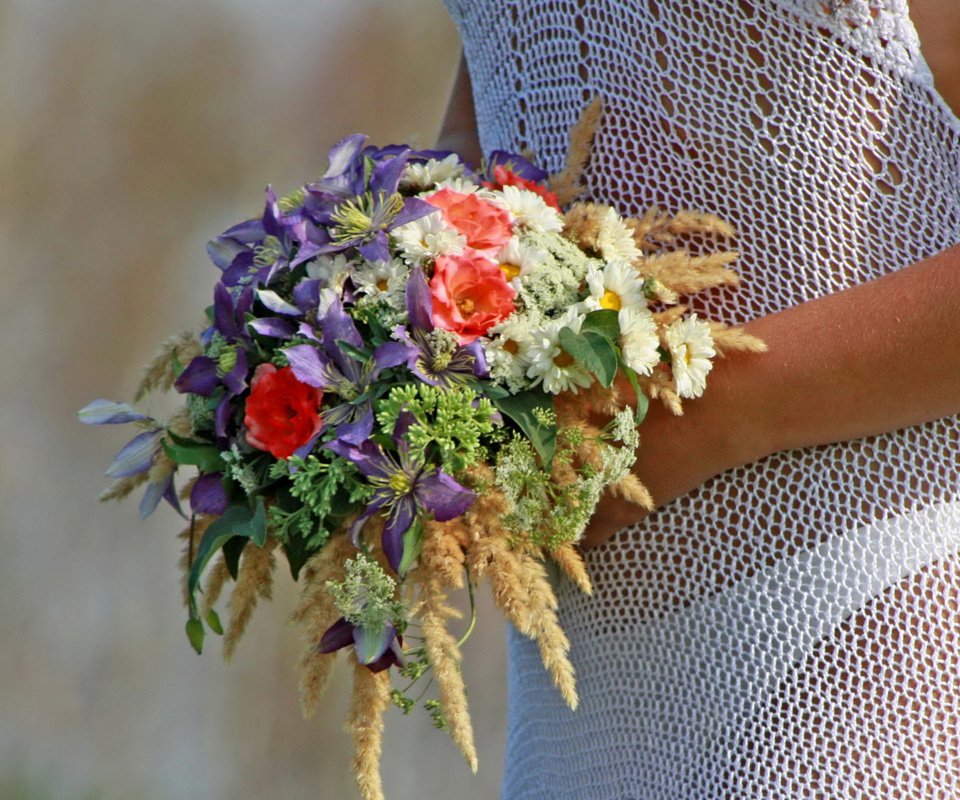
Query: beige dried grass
{"points": [[371, 696], [567, 184], [159, 371], [254, 582], [316, 612]]}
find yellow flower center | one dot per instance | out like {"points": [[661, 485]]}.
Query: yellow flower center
{"points": [[510, 271], [610, 300], [382, 284], [511, 347], [466, 306], [400, 482]]}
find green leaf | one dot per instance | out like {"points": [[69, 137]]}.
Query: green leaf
{"points": [[412, 545], [205, 456], [597, 353], [519, 407], [195, 634], [606, 322], [643, 402], [236, 521], [297, 552], [353, 352], [213, 620], [232, 550]]}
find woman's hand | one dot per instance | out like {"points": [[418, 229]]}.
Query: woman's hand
{"points": [[873, 358]]}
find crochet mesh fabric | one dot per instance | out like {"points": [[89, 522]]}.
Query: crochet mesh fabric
{"points": [[790, 629]]}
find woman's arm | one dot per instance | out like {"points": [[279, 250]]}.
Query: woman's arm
{"points": [[873, 358], [459, 129]]}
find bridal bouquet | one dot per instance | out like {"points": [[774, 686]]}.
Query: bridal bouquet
{"points": [[411, 378]]}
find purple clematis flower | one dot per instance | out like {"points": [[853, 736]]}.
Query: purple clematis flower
{"points": [[136, 457], [332, 369], [436, 360], [377, 649], [405, 487]]}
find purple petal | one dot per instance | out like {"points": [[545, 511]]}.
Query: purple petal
{"points": [[389, 354], [208, 495], [224, 249], [338, 635], [221, 417], [475, 349], [405, 419], [276, 303], [377, 249], [236, 379], [170, 495], [305, 449], [274, 327], [271, 214], [307, 251], [248, 232], [359, 522], [392, 656], [343, 154], [200, 377], [401, 518], [309, 365], [413, 208], [151, 498], [106, 412], [357, 432], [369, 458], [338, 327], [135, 456], [419, 301], [306, 294], [441, 494], [370, 644], [223, 312], [516, 164], [386, 175], [242, 267]]}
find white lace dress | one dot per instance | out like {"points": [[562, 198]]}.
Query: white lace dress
{"points": [[792, 628]]}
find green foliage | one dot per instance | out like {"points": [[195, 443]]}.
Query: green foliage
{"points": [[527, 410], [450, 423], [203, 455], [239, 520], [366, 596]]}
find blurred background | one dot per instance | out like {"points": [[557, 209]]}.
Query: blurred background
{"points": [[130, 133]]}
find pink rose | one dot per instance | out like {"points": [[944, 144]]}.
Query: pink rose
{"points": [[485, 225], [470, 295]]}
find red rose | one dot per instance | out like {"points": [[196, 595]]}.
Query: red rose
{"points": [[505, 177], [282, 413], [470, 295], [485, 225]]}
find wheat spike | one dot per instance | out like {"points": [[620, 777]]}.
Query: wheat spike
{"points": [[571, 562], [254, 582], [566, 185], [159, 373], [371, 695]]}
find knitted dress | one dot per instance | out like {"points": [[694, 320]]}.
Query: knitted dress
{"points": [[791, 629]]}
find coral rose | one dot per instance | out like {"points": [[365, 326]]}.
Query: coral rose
{"points": [[505, 177], [470, 295], [485, 225], [282, 414]]}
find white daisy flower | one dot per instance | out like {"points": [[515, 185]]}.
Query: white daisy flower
{"points": [[426, 238], [381, 277], [461, 185], [332, 271], [616, 286], [529, 210], [691, 348], [553, 365], [615, 240], [420, 176], [518, 261], [507, 351], [638, 339]]}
